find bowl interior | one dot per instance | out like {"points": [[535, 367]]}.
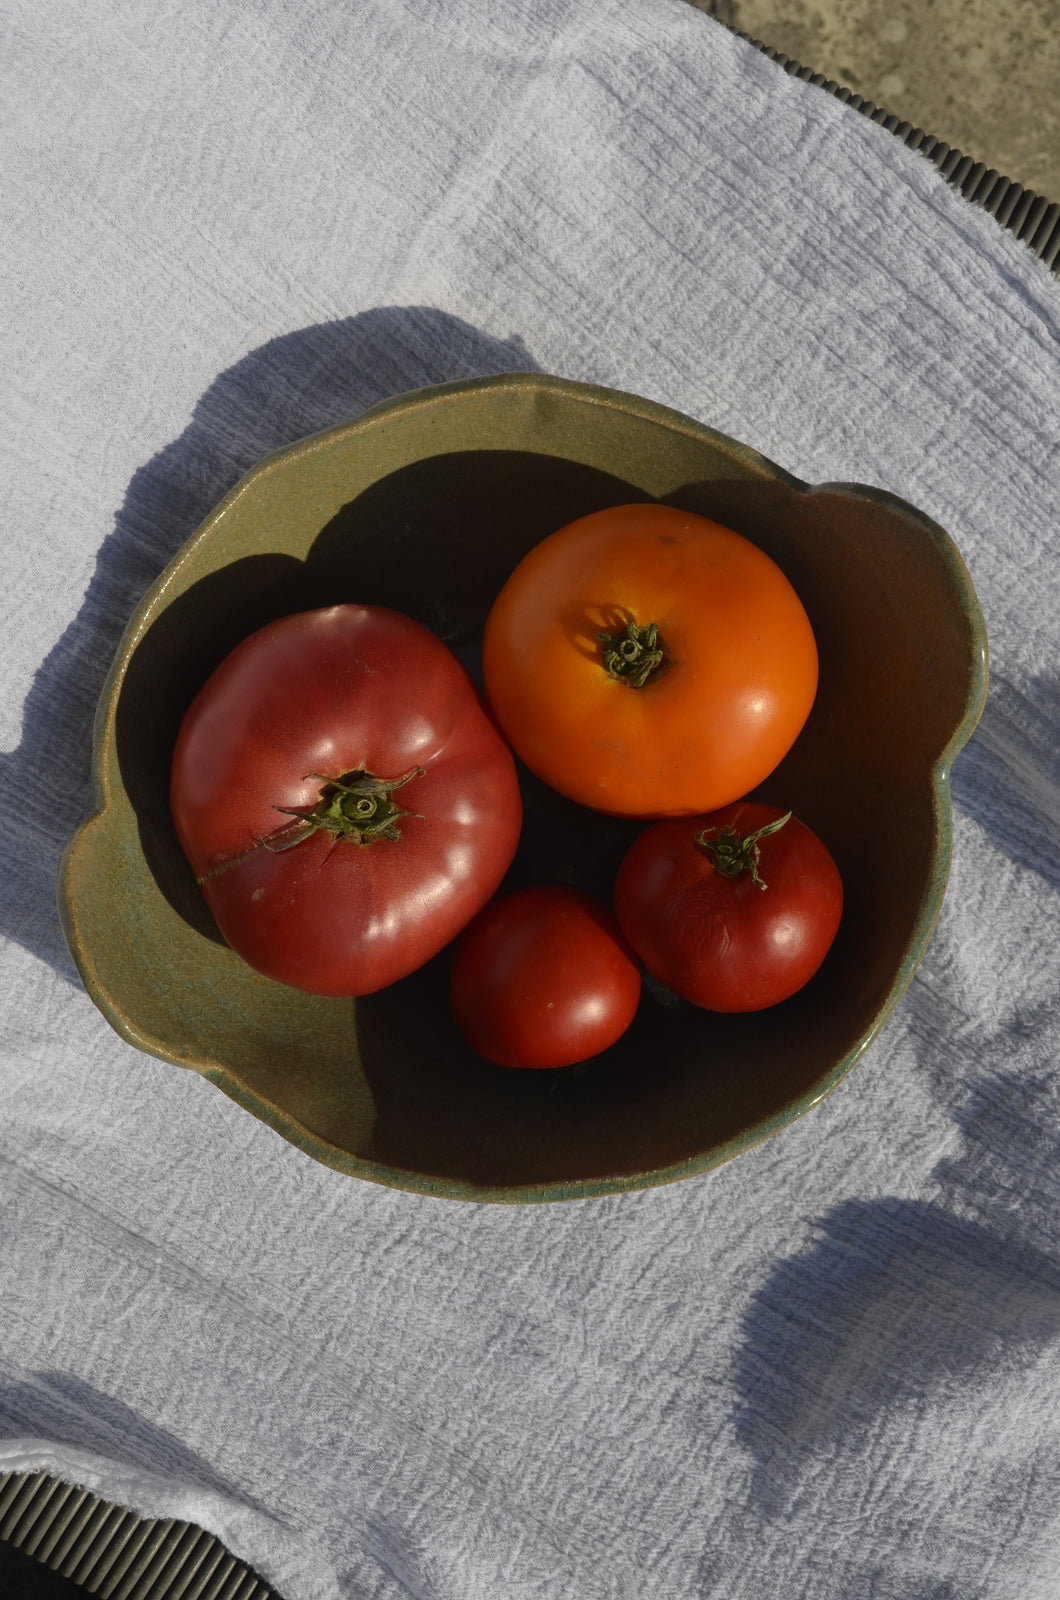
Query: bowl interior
{"points": [[426, 504]]}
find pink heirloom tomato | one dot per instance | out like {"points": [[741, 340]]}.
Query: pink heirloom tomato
{"points": [[734, 911], [344, 799]]}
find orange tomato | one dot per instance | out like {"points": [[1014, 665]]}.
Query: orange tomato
{"points": [[645, 661]]}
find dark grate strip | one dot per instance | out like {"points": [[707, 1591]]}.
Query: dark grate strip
{"points": [[1028, 215], [81, 1546], [113, 1553]]}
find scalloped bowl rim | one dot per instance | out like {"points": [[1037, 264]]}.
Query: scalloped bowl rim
{"points": [[396, 1177]]}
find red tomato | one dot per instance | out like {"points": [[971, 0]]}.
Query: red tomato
{"points": [[344, 798], [543, 978], [730, 916], [645, 661]]}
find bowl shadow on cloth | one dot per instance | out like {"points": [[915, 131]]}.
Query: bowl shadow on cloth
{"points": [[292, 386], [64, 1410], [898, 1308], [435, 540]]}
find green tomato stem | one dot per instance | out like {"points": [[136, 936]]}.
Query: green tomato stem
{"points": [[732, 854], [356, 806], [636, 656]]}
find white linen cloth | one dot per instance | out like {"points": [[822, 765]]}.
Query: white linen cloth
{"points": [[829, 1369]]}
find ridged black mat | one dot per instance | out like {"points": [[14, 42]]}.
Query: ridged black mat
{"points": [[94, 1547]]}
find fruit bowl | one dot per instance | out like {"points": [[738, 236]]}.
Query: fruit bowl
{"points": [[425, 504]]}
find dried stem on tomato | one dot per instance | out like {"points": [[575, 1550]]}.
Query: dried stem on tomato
{"points": [[635, 656], [732, 854]]}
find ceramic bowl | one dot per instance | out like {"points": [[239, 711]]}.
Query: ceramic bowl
{"points": [[425, 504]]}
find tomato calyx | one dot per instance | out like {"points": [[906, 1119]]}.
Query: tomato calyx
{"points": [[732, 854], [636, 656], [356, 806]]}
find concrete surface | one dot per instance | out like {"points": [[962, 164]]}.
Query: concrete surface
{"points": [[983, 75]]}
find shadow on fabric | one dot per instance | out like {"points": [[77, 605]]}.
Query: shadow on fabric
{"points": [[1008, 777], [290, 387], [896, 1311], [63, 1410]]}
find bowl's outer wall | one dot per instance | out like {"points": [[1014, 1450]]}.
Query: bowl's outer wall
{"points": [[426, 504]]}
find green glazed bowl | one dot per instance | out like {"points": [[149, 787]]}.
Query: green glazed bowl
{"points": [[425, 504]]}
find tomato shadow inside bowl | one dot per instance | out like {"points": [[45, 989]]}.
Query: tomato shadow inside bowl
{"points": [[678, 1077]]}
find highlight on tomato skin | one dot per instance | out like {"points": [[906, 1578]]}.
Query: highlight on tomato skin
{"points": [[735, 910], [344, 798], [543, 978], [647, 662]]}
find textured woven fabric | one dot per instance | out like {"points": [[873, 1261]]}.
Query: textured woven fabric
{"points": [[828, 1369]]}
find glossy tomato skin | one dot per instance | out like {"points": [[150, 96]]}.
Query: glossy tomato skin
{"points": [[326, 693], [740, 684], [543, 978], [722, 943]]}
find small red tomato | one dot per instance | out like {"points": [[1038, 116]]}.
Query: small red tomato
{"points": [[734, 911], [543, 978]]}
